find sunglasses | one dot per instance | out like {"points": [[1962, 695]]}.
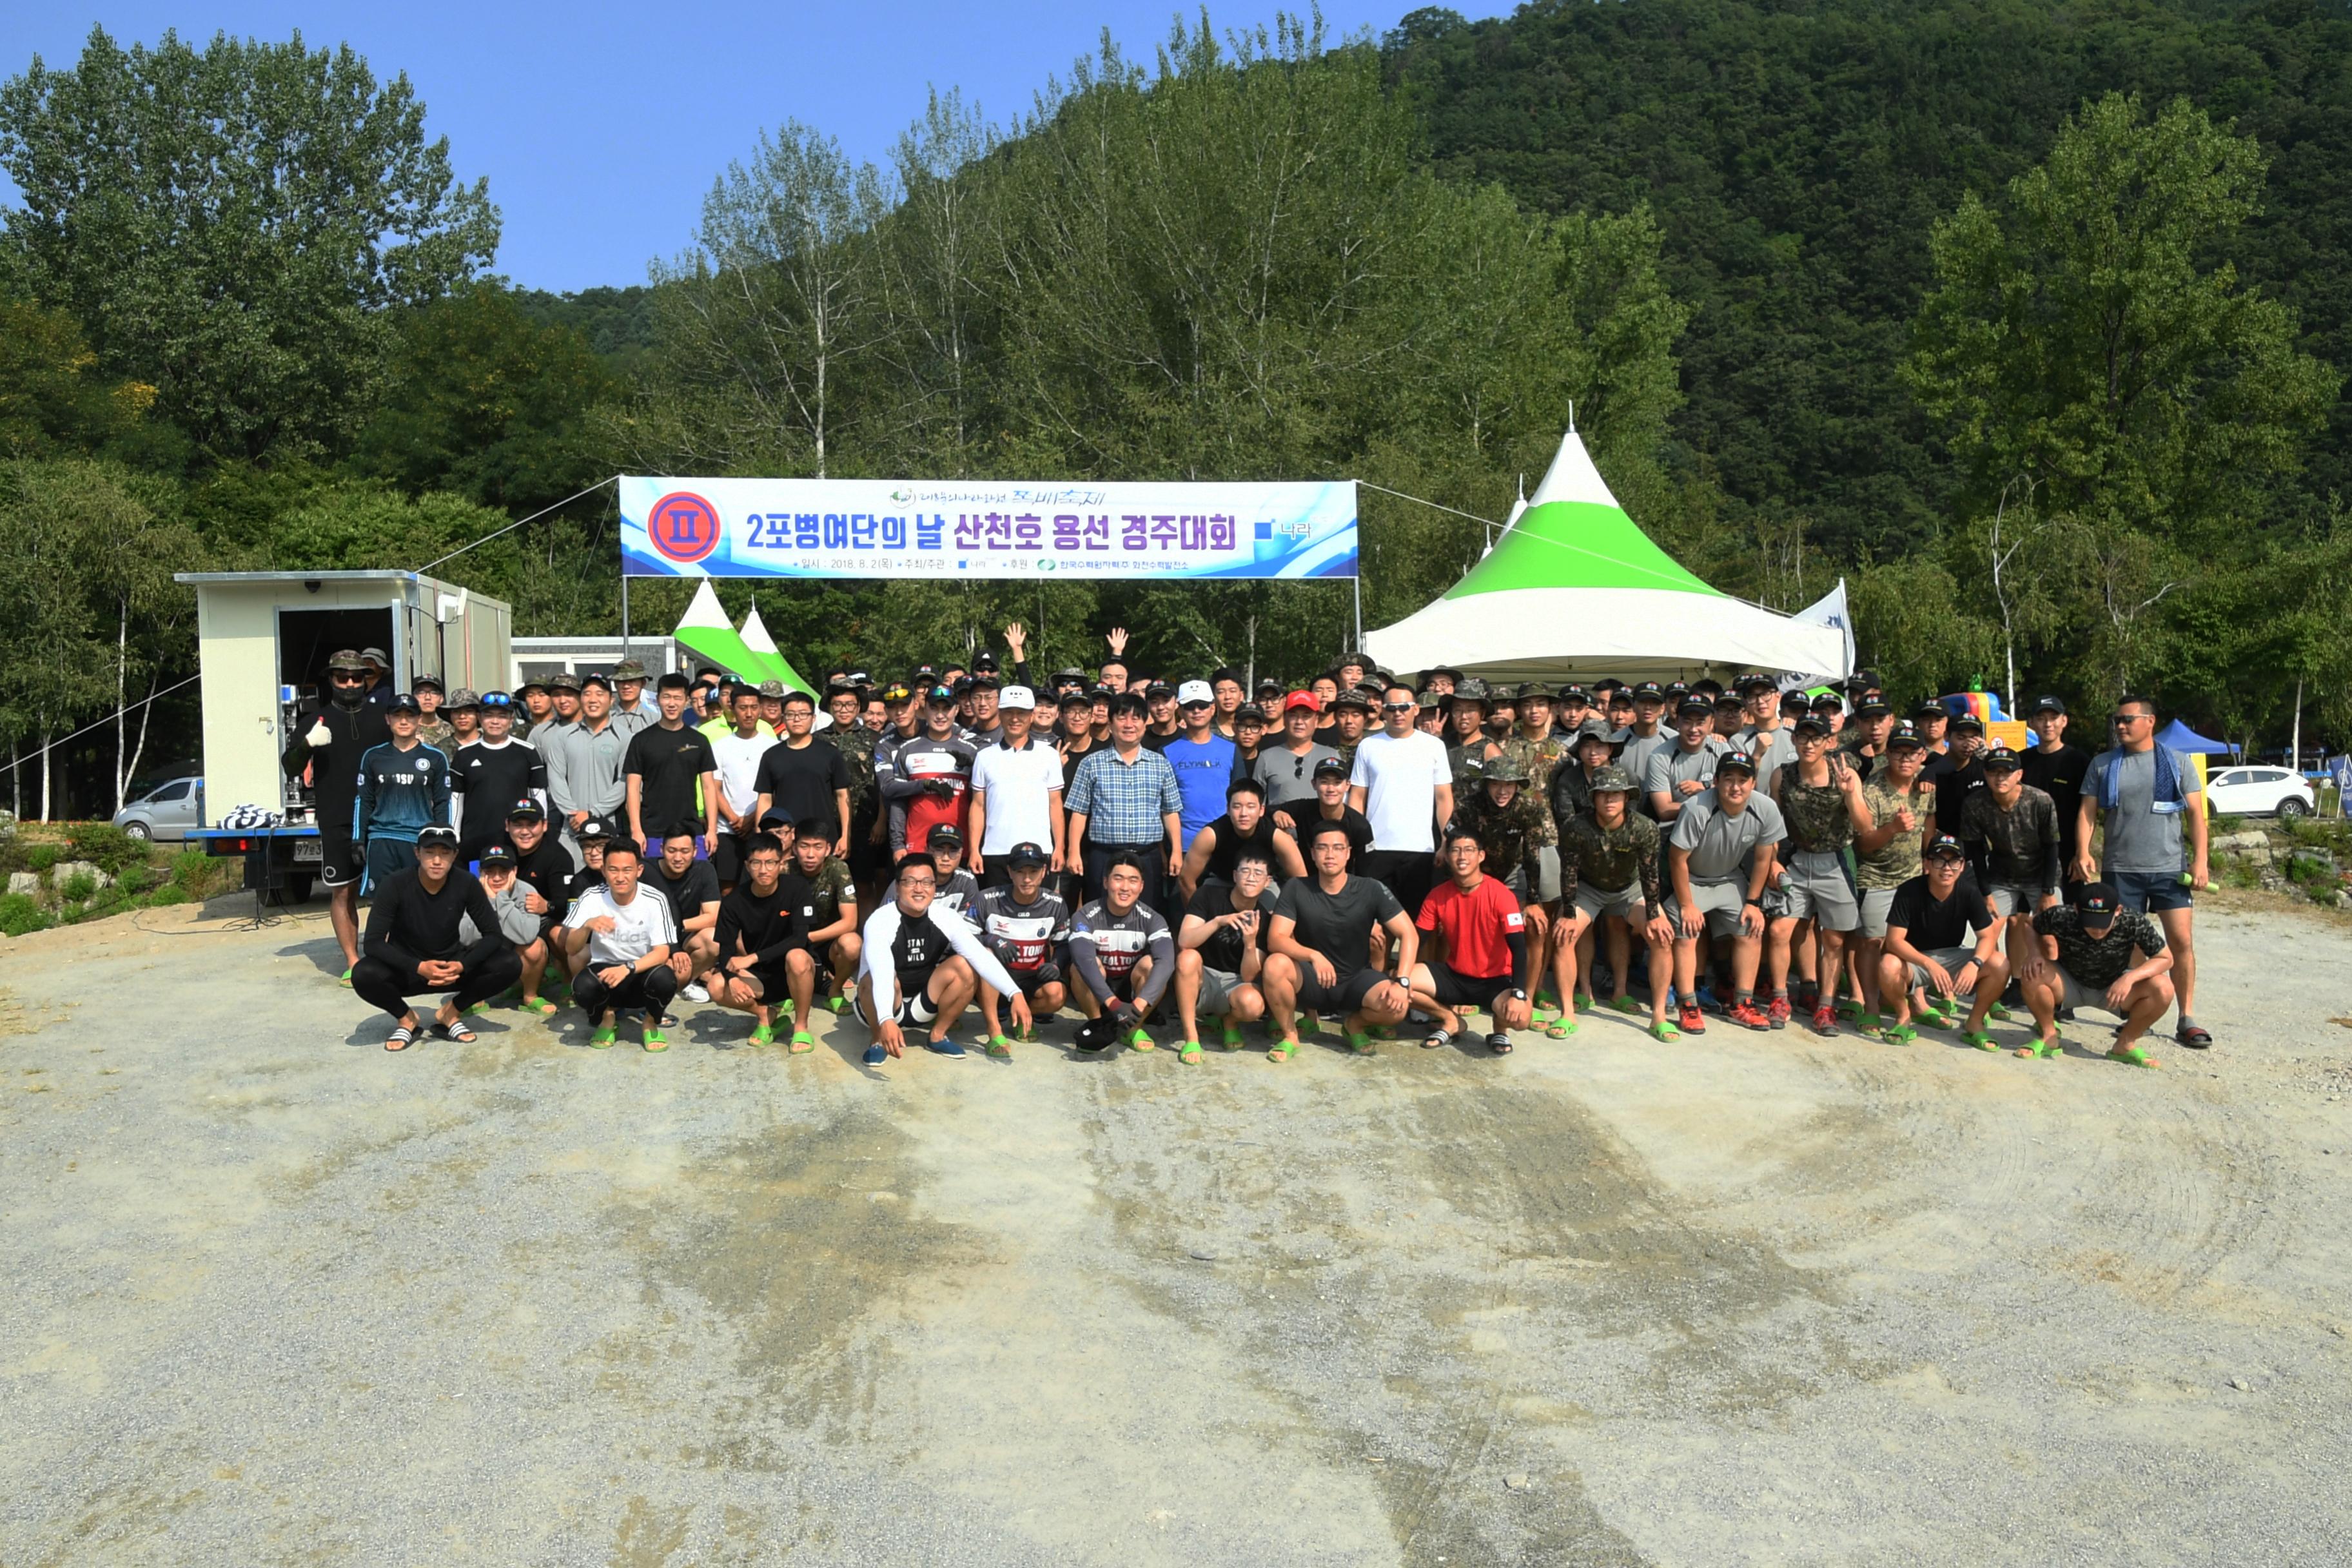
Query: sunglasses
{"points": [[348, 679], [1400, 707], [2133, 717]]}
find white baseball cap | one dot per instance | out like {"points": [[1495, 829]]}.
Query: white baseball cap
{"points": [[1016, 697], [1193, 692]]}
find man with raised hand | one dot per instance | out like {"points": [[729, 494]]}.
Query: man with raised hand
{"points": [[1316, 958], [1027, 925], [2147, 792], [1017, 790], [1718, 859], [2097, 953], [1404, 786], [1123, 954], [1609, 870], [414, 943], [1928, 949], [1220, 950], [1481, 956], [329, 746], [624, 935], [762, 941], [1124, 800], [921, 967]]}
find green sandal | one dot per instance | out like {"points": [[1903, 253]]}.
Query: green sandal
{"points": [[1627, 1005], [838, 1004], [1981, 1040], [602, 1038], [2136, 1054], [1142, 1041], [1309, 1024], [1900, 1035], [1998, 1014], [2040, 1049], [761, 1034], [1359, 1044], [803, 1041], [1000, 1047], [654, 1039], [1233, 1039], [540, 1006], [1027, 1034], [1281, 1050], [1870, 1025], [1190, 1052], [346, 979], [1560, 1028], [1663, 1032]]}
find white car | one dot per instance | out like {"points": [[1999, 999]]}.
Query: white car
{"points": [[2260, 792]]}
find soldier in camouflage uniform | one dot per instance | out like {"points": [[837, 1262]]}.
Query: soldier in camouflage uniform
{"points": [[1820, 797], [1508, 821], [1535, 746], [833, 928], [1468, 748], [435, 728], [1609, 867]]}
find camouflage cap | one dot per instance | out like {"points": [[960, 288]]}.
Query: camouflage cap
{"points": [[564, 680], [463, 697], [629, 669], [1473, 691], [1530, 692], [772, 688], [1613, 777], [347, 661], [1505, 769]]}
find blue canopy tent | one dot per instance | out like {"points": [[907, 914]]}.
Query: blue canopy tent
{"points": [[2182, 738]]}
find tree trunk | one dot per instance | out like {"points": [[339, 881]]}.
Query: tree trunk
{"points": [[121, 680], [2294, 758], [45, 771], [139, 748]]}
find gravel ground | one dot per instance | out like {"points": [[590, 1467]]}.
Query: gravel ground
{"points": [[276, 1295]]}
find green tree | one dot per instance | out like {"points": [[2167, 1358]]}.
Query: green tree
{"points": [[232, 223], [55, 669]]}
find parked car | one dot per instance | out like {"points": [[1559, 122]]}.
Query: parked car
{"points": [[165, 814], [2260, 792]]}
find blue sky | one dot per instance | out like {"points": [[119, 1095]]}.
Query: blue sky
{"points": [[600, 125]]}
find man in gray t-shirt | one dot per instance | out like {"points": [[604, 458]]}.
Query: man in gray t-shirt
{"points": [[1720, 843], [1285, 765], [1717, 857], [2157, 795], [1674, 774]]}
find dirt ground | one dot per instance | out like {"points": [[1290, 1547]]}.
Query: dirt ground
{"points": [[276, 1295]]}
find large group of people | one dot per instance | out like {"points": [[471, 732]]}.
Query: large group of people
{"points": [[1385, 854]]}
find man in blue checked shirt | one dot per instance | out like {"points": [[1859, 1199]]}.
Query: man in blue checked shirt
{"points": [[404, 786], [1124, 800]]}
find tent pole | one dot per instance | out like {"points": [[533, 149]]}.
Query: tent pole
{"points": [[624, 614], [1357, 585]]}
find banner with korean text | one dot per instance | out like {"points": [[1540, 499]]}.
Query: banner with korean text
{"points": [[902, 528]]}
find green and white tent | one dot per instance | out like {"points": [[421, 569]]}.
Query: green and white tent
{"points": [[1574, 588], [750, 653]]}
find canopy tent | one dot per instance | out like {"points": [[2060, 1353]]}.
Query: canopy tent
{"points": [[750, 653], [1574, 588], [2180, 738], [756, 638]]}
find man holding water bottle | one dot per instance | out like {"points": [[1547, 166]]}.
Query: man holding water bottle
{"points": [[2146, 794]]}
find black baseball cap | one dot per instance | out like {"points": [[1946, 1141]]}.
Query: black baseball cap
{"points": [[1931, 709], [2047, 705], [1649, 691], [985, 664], [1943, 843], [595, 678], [1795, 702], [944, 837], [1818, 724], [1906, 734], [1736, 762], [1251, 711], [1022, 855], [1873, 708], [1829, 702], [403, 704], [526, 810], [1967, 721], [2002, 758], [595, 828], [438, 837], [1331, 765], [940, 694], [497, 855], [1696, 705], [1753, 681], [1575, 693], [494, 700], [1158, 689], [2097, 904]]}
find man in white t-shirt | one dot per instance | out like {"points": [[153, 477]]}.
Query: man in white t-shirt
{"points": [[1016, 790], [738, 752], [1404, 785], [627, 932]]}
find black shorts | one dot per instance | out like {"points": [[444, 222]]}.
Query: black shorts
{"points": [[1033, 980], [1348, 996], [915, 1009], [774, 980], [1455, 989], [339, 857], [388, 857], [726, 860]]}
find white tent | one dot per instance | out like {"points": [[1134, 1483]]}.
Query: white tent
{"points": [[1574, 588]]}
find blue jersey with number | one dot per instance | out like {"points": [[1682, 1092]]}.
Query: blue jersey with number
{"points": [[400, 792]]}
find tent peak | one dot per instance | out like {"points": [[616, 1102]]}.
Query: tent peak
{"points": [[1572, 477]]}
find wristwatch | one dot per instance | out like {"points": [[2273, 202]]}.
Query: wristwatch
{"points": [[1517, 995]]}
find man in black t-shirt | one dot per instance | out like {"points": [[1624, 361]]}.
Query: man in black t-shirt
{"points": [[2057, 770], [761, 940], [1220, 950], [1245, 828], [412, 943], [1929, 947], [664, 765], [491, 774], [805, 777], [1330, 781], [1316, 958], [544, 871], [691, 888]]}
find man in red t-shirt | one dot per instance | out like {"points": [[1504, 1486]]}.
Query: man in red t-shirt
{"points": [[1481, 959]]}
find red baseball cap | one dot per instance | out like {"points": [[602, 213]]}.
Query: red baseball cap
{"points": [[1297, 699]]}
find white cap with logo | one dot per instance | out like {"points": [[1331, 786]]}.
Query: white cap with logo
{"points": [[1016, 697], [1193, 692]]}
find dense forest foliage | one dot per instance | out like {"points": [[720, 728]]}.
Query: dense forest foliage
{"points": [[2025, 318]]}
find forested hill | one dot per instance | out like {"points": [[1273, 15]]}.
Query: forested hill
{"points": [[1797, 154]]}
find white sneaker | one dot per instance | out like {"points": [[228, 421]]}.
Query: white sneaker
{"points": [[693, 991]]}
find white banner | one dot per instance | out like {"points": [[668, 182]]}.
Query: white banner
{"points": [[904, 528], [1828, 610]]}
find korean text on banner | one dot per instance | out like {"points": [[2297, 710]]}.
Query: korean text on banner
{"points": [[897, 528]]}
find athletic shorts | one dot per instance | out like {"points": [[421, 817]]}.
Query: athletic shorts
{"points": [[1455, 989], [728, 858], [915, 1009], [2150, 892], [388, 856], [1877, 904], [2073, 993], [1951, 958], [1217, 988], [1814, 888], [1348, 996], [2016, 898], [1033, 980], [339, 857], [1548, 873], [1719, 902], [1625, 902], [774, 981]]}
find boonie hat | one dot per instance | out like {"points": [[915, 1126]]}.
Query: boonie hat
{"points": [[629, 669], [376, 657], [1356, 700], [1613, 777], [347, 661], [463, 697], [564, 680], [1506, 769]]}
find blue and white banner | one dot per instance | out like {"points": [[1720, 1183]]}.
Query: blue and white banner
{"points": [[904, 528]]}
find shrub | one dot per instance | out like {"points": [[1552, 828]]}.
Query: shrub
{"points": [[171, 893], [189, 869], [68, 913], [42, 856], [78, 887], [19, 914], [107, 845], [137, 880]]}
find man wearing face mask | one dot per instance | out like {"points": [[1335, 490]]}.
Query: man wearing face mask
{"points": [[331, 746]]}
